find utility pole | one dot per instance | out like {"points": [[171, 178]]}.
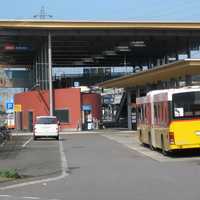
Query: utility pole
{"points": [[43, 14], [50, 76]]}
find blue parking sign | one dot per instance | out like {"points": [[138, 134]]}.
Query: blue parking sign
{"points": [[9, 106]]}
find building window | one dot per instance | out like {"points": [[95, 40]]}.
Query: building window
{"points": [[62, 115]]}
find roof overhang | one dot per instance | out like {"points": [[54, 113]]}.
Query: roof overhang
{"points": [[153, 76], [61, 24], [76, 42]]}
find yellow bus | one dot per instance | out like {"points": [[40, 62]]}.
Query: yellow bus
{"points": [[170, 119]]}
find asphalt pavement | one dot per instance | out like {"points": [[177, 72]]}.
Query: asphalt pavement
{"points": [[101, 169], [30, 159]]}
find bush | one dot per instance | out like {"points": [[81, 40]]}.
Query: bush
{"points": [[10, 173]]}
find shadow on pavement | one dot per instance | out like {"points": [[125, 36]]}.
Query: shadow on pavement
{"points": [[183, 153]]}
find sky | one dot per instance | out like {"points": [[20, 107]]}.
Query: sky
{"points": [[110, 10]]}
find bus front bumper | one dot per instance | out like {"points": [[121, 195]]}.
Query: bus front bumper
{"points": [[183, 146]]}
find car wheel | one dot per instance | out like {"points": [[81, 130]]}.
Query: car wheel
{"points": [[140, 136], [57, 137], [150, 142]]}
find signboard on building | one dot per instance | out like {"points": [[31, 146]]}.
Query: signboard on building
{"points": [[9, 106], [18, 108], [76, 84], [86, 107], [7, 99], [108, 99], [17, 47], [9, 46]]}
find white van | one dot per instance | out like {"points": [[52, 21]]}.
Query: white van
{"points": [[46, 126]]}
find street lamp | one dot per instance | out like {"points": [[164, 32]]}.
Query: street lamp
{"points": [[99, 57], [137, 44]]}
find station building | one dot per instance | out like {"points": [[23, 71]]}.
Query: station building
{"points": [[149, 54]]}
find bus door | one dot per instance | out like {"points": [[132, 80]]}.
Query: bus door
{"points": [[152, 124]]}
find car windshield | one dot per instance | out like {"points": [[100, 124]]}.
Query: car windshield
{"points": [[46, 121], [186, 105]]}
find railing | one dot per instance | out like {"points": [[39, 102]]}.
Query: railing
{"points": [[123, 99]]}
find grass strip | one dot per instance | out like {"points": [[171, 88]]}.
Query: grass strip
{"points": [[9, 173]]}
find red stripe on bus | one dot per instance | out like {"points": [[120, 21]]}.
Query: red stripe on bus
{"points": [[183, 120]]}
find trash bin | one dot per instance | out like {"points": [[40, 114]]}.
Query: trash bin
{"points": [[89, 126]]}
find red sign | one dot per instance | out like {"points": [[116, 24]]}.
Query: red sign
{"points": [[9, 47]]}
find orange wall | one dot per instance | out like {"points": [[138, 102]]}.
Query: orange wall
{"points": [[64, 98], [68, 98], [31, 101]]}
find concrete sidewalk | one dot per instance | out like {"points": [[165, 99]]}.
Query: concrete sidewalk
{"points": [[130, 140], [73, 131], [61, 133]]}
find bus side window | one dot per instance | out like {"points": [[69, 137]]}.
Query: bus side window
{"points": [[165, 113], [145, 113], [155, 112], [160, 113], [140, 113]]}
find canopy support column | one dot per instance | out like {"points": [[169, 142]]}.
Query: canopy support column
{"points": [[50, 75], [129, 108]]}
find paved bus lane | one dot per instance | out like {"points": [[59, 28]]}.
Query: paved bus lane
{"points": [[99, 169]]}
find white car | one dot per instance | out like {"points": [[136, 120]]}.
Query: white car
{"points": [[46, 126]]}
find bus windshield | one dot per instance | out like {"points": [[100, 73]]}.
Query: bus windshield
{"points": [[186, 105]]}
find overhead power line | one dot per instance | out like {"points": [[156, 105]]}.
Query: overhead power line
{"points": [[43, 14]]}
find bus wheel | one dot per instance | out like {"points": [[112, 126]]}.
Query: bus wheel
{"points": [[164, 152], [140, 136], [150, 142]]}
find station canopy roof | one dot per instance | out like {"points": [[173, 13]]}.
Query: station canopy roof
{"points": [[166, 72], [85, 43]]}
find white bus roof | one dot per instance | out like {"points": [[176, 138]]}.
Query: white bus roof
{"points": [[169, 92], [160, 95]]}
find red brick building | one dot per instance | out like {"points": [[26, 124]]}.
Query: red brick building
{"points": [[69, 107]]}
